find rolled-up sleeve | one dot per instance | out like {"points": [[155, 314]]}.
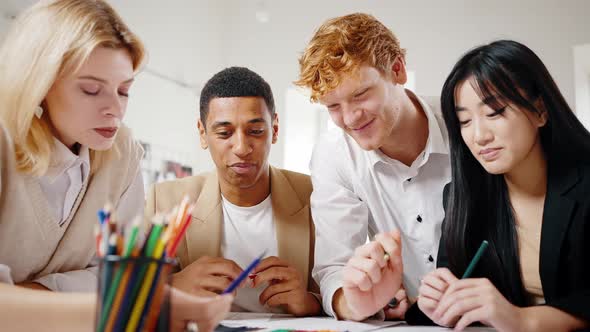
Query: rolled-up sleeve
{"points": [[340, 217]]}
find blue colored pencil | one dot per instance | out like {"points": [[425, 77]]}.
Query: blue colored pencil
{"points": [[234, 284]]}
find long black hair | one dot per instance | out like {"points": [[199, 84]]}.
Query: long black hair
{"points": [[478, 205]]}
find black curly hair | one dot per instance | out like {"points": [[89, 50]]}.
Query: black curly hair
{"points": [[235, 82]]}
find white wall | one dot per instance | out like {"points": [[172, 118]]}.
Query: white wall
{"points": [[165, 115], [4, 23], [435, 34], [582, 77], [185, 45]]}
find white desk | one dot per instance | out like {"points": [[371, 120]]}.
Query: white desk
{"points": [[270, 322]]}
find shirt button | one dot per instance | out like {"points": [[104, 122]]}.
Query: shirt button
{"points": [[430, 259], [419, 218]]}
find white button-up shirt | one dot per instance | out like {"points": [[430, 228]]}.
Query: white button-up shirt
{"points": [[64, 179], [359, 193]]}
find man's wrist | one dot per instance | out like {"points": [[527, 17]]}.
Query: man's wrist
{"points": [[314, 304], [341, 308]]}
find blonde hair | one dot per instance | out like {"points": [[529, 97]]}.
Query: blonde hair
{"points": [[340, 46], [49, 40]]}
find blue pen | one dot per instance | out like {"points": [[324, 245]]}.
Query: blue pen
{"points": [[244, 274]]}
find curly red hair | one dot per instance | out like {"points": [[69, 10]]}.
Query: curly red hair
{"points": [[340, 46]]}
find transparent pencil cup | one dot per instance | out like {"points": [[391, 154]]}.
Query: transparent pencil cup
{"points": [[133, 294]]}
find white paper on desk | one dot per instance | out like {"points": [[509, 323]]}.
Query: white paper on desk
{"points": [[406, 328], [276, 321]]}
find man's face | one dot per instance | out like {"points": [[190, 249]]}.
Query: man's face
{"points": [[366, 106], [239, 133]]}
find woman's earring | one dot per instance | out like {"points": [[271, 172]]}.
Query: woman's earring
{"points": [[39, 112]]}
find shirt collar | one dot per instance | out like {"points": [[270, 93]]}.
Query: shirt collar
{"points": [[434, 144], [64, 159]]}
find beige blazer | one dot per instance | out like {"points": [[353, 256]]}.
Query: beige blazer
{"points": [[291, 211]]}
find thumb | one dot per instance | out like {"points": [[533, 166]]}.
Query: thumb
{"points": [[397, 236]]}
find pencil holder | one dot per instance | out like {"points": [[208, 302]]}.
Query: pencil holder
{"points": [[133, 294]]}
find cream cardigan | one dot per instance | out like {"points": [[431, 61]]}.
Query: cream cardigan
{"points": [[32, 244]]}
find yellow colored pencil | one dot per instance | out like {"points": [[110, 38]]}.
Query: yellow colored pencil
{"points": [[145, 288]]}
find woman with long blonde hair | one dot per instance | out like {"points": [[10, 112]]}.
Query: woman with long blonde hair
{"points": [[65, 75]]}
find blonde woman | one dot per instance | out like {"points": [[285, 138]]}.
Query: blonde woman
{"points": [[65, 75], [66, 71]]}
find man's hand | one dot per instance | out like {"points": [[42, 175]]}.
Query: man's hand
{"points": [[285, 288], [371, 278], [207, 276]]}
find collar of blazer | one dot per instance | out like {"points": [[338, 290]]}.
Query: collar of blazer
{"points": [[290, 215], [560, 202]]}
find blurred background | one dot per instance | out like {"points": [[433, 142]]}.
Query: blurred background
{"points": [[190, 40]]}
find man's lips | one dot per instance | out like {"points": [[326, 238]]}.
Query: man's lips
{"points": [[242, 168], [363, 126]]}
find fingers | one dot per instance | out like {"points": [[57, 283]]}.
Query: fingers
{"points": [[399, 311], [215, 284], [207, 312], [428, 292], [353, 278], [458, 309], [268, 262], [427, 305], [272, 290], [276, 273], [469, 318], [213, 266], [392, 244], [217, 309], [446, 275], [374, 251], [223, 267], [368, 266], [458, 291], [433, 286]]}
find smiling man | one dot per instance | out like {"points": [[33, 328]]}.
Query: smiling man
{"points": [[382, 173], [244, 207]]}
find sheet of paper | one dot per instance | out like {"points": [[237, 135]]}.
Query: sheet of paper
{"points": [[270, 322], [406, 328], [288, 322]]}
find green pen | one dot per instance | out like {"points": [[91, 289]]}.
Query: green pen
{"points": [[475, 259]]}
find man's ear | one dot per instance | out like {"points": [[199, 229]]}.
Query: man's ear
{"points": [[275, 128], [398, 71], [202, 134]]}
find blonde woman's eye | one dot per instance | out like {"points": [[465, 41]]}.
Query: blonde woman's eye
{"points": [[90, 92]]}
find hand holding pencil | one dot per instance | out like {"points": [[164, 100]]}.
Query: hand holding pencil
{"points": [[207, 276], [453, 302], [373, 275]]}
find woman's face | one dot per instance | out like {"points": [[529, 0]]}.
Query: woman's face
{"points": [[500, 139], [87, 106]]}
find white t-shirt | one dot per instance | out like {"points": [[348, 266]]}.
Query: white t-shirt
{"points": [[247, 232]]}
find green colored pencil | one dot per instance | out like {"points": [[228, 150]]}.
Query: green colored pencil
{"points": [[475, 259]]}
